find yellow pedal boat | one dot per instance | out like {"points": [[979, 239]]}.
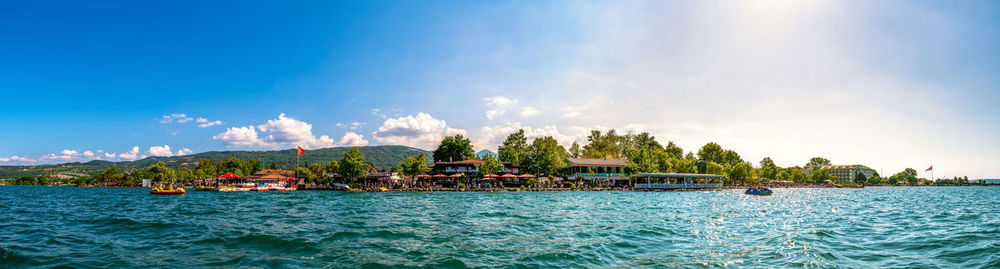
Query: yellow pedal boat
{"points": [[171, 191]]}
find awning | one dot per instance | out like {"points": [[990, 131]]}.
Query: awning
{"points": [[228, 175]]}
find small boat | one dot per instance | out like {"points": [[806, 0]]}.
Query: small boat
{"points": [[170, 191], [758, 191], [382, 189]]}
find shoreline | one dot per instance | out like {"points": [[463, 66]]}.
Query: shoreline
{"points": [[194, 188]]}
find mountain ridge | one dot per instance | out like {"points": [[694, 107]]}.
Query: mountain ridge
{"points": [[383, 156]]}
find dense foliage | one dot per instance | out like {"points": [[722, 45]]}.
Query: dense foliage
{"points": [[454, 148]]}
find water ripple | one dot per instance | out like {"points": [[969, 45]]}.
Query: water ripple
{"points": [[813, 228]]}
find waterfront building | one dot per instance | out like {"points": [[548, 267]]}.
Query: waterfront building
{"points": [[655, 181], [848, 173], [468, 167], [595, 169]]}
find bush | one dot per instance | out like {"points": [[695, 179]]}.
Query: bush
{"points": [[461, 185], [567, 184]]}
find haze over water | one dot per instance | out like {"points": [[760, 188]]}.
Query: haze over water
{"points": [[957, 227]]}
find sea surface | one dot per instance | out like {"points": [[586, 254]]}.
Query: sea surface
{"points": [[875, 227]]}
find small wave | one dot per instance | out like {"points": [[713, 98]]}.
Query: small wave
{"points": [[273, 244], [12, 259]]}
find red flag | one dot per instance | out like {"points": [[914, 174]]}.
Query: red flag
{"points": [[302, 152], [930, 168]]}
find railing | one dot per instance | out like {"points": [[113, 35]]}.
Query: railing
{"points": [[597, 174], [677, 186]]}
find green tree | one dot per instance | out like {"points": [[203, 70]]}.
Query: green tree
{"points": [[306, 173], [685, 165], [608, 145], [819, 176], [491, 165], [673, 150], [207, 168], [574, 150], [644, 160], [816, 161], [730, 157], [111, 173], [767, 169], [317, 168], [333, 166], [714, 168], [784, 175], [547, 156], [184, 174], [642, 141], [414, 165], [798, 176], [910, 176], [515, 148], [161, 173], [712, 152], [454, 148], [873, 180], [741, 172], [353, 165]]}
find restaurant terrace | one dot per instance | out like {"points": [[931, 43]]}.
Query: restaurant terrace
{"points": [[662, 181]]}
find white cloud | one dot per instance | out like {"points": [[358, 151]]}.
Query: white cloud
{"points": [[240, 137], [130, 155], [420, 130], [352, 139], [499, 105], [160, 151], [353, 125], [178, 117], [210, 124], [288, 131], [88, 154], [109, 155], [281, 132], [528, 111], [165, 151], [68, 152], [17, 160], [183, 118]]}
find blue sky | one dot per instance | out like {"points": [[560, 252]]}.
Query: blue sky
{"points": [[889, 84]]}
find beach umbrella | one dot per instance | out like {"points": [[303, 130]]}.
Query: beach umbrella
{"points": [[228, 175], [508, 175], [526, 176]]}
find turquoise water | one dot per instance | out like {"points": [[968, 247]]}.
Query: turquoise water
{"points": [[952, 227]]}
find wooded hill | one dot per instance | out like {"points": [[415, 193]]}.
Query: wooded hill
{"points": [[382, 157]]}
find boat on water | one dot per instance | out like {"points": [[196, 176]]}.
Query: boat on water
{"points": [[761, 191], [168, 191]]}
